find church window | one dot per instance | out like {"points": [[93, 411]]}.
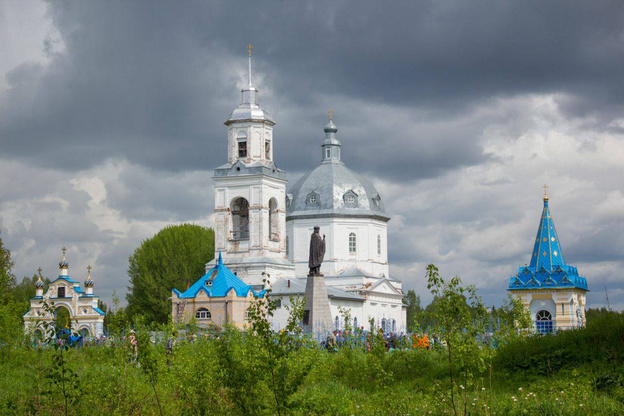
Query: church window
{"points": [[61, 292], [203, 313], [384, 323], [287, 246], [242, 148], [84, 332], [337, 323], [267, 150], [240, 219], [352, 243], [273, 220], [393, 325], [355, 323], [543, 322], [327, 153], [278, 303], [312, 200], [350, 199], [378, 244]]}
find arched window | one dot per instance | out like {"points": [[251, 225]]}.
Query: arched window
{"points": [[378, 244], [287, 246], [543, 322], [383, 325], [393, 325], [355, 323], [273, 220], [352, 243], [240, 219], [337, 323], [203, 313], [84, 332], [241, 138]]}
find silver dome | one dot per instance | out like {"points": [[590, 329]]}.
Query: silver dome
{"points": [[249, 110], [333, 189]]}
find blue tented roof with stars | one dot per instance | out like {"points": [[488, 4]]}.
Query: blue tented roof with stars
{"points": [[548, 268]]}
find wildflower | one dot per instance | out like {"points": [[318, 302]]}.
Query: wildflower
{"points": [[581, 405], [473, 404], [571, 384], [515, 400], [474, 400], [561, 391], [513, 397], [482, 388], [519, 388], [461, 386]]}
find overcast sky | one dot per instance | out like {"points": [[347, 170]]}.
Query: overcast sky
{"points": [[111, 122]]}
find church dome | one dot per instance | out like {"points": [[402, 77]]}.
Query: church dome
{"points": [[333, 189], [249, 109]]}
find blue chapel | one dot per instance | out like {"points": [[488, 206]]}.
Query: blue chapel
{"points": [[550, 289]]}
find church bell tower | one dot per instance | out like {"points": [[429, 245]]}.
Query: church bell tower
{"points": [[250, 196]]}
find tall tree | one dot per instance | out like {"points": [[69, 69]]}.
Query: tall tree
{"points": [[7, 280], [413, 309], [11, 323], [170, 259]]}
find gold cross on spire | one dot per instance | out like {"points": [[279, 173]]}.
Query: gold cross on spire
{"points": [[64, 250], [545, 188], [39, 270], [331, 114], [249, 48], [89, 269]]}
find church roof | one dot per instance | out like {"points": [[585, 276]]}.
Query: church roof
{"points": [[548, 268], [332, 189], [249, 109], [217, 283]]}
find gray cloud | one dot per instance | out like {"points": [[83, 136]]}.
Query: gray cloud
{"points": [[458, 111]]}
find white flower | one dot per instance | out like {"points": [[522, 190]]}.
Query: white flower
{"points": [[519, 388], [515, 400], [561, 391], [581, 405], [513, 397], [482, 388], [461, 386]]}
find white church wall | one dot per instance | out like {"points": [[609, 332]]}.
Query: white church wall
{"points": [[338, 257]]}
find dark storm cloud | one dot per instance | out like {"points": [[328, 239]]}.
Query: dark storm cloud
{"points": [[153, 81]]}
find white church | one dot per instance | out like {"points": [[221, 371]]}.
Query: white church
{"points": [[262, 230]]}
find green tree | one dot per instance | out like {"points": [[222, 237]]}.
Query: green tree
{"points": [[171, 259], [413, 309], [11, 323], [7, 280]]}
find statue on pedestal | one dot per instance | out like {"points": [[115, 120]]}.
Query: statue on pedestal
{"points": [[317, 252]]}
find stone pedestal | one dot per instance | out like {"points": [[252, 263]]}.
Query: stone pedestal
{"points": [[317, 318]]}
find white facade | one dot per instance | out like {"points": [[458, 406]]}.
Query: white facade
{"points": [[250, 194], [350, 242], [85, 317]]}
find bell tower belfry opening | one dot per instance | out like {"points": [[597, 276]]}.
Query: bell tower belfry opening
{"points": [[250, 195]]}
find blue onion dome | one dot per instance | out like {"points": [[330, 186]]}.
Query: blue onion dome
{"points": [[63, 264], [39, 283], [88, 282]]}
